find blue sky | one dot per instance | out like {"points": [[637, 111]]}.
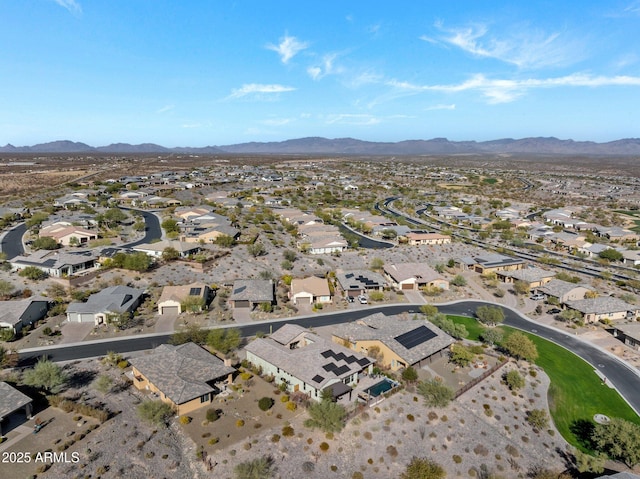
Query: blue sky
{"points": [[196, 73]]}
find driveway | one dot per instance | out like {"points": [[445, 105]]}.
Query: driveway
{"points": [[415, 297], [242, 315], [75, 332], [166, 323]]}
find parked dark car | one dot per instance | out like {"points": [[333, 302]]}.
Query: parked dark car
{"points": [[554, 311]]}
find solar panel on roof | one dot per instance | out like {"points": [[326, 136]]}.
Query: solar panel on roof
{"points": [[195, 291], [341, 370], [340, 357], [326, 354], [329, 367], [363, 362], [415, 337], [317, 378], [350, 359]]}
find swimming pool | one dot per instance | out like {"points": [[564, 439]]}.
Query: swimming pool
{"points": [[380, 388]]}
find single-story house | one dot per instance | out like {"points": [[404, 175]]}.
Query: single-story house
{"points": [[629, 334], [187, 377], [401, 342], [16, 315], [188, 212], [564, 291], [357, 282], [56, 263], [331, 243], [64, 233], [604, 308], [534, 277], [413, 276], [206, 232], [307, 363], [421, 237], [183, 248], [172, 299], [249, 293], [310, 290], [105, 305], [11, 400], [490, 262]]}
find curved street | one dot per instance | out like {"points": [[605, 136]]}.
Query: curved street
{"points": [[625, 378]]}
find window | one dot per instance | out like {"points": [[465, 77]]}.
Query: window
{"points": [[204, 398]]}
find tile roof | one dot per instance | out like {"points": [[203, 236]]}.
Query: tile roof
{"points": [[358, 279], [181, 372], [420, 271], [387, 329], [316, 361], [179, 293], [313, 285]]}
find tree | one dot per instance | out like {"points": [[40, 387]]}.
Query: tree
{"points": [[265, 403], [45, 242], [423, 468], [224, 340], [521, 287], [155, 412], [538, 418], [326, 415], [226, 241], [103, 384], [620, 439], [409, 374], [435, 393], [259, 468], [289, 255], [611, 254], [192, 333], [389, 234], [33, 273], [137, 261], [491, 335], [170, 254], [256, 249], [588, 463], [570, 315], [6, 288], [193, 304], [458, 280], [514, 380], [429, 310], [377, 264], [36, 219], [170, 226], [113, 216], [521, 347], [456, 330], [490, 314], [461, 355], [8, 359], [45, 375]]}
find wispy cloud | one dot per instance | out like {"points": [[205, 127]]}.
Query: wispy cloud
{"points": [[276, 121], [503, 91], [352, 119], [71, 5], [165, 109], [259, 89], [326, 67], [524, 47], [441, 107], [633, 7], [288, 48]]}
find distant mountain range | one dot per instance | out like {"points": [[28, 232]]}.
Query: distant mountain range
{"points": [[351, 146]]}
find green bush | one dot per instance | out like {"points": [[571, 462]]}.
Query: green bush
{"points": [[265, 403], [212, 415]]}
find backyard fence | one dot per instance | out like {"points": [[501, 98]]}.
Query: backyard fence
{"points": [[480, 378]]}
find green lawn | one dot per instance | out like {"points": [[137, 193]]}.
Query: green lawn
{"points": [[474, 328], [576, 393]]}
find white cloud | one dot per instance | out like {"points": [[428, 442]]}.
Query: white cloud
{"points": [[352, 119], [165, 108], [325, 67], [276, 121], [288, 48], [441, 107], [428, 39], [259, 89], [71, 5], [524, 47], [503, 91], [191, 125]]}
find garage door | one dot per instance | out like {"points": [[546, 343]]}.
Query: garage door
{"points": [[241, 304], [175, 310], [407, 285], [303, 300]]}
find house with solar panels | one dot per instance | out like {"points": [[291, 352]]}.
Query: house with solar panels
{"points": [[490, 262], [357, 282], [401, 342], [174, 298], [307, 363]]}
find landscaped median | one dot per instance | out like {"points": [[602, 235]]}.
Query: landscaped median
{"points": [[576, 393]]}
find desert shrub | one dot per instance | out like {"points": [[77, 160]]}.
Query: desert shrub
{"points": [[308, 466], [185, 419], [124, 364], [288, 431], [240, 423], [324, 447], [512, 451], [457, 459], [481, 450], [291, 406], [212, 415], [410, 417], [275, 438], [392, 451], [265, 403], [284, 398], [213, 440], [246, 376]]}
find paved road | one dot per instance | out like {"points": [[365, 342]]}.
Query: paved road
{"points": [[11, 243], [153, 231], [622, 376]]}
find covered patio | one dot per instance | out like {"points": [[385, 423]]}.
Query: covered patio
{"points": [[11, 400]]}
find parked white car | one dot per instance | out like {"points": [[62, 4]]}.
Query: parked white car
{"points": [[363, 299], [537, 296]]}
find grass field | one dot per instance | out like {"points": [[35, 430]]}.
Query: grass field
{"points": [[576, 393]]}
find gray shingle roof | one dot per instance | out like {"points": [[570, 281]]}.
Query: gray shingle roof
{"points": [[11, 399], [115, 299], [558, 287], [181, 372], [386, 329], [258, 290], [360, 279], [601, 305], [530, 275]]}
